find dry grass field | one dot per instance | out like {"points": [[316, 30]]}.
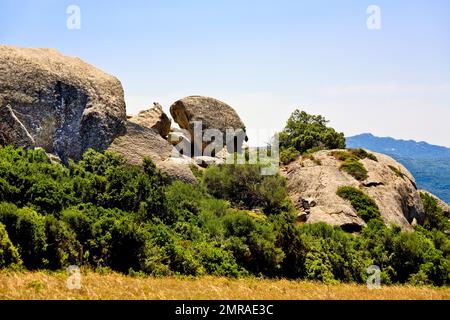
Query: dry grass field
{"points": [[38, 285]]}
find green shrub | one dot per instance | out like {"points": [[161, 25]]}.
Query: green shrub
{"points": [[184, 201], [397, 171], [218, 261], [106, 215], [253, 243], [245, 187], [304, 132], [26, 229], [363, 154], [27, 178], [97, 231], [127, 245], [351, 163], [106, 181], [354, 168], [365, 206], [288, 155], [407, 256], [341, 155], [9, 255], [355, 154], [434, 215], [63, 249], [332, 254]]}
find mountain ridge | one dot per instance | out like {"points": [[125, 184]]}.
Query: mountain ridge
{"points": [[398, 147]]}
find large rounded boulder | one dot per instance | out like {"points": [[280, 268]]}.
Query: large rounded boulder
{"points": [[211, 114], [314, 180], [59, 103]]}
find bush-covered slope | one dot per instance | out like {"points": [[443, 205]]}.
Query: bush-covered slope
{"points": [[102, 213]]}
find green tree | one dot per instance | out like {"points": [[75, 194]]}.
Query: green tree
{"points": [[26, 229], [434, 215], [245, 187], [304, 132], [9, 255]]}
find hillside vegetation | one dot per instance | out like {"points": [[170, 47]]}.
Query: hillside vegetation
{"points": [[104, 214]]}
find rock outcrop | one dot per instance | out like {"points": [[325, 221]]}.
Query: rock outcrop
{"points": [[313, 183], [65, 105], [154, 118], [212, 114], [141, 142]]}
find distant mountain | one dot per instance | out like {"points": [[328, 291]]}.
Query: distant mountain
{"points": [[401, 148], [429, 164]]}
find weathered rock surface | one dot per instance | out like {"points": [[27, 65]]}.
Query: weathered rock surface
{"points": [[12, 131], [140, 142], [443, 205], [213, 114], [65, 104], [316, 185], [181, 140], [154, 118]]}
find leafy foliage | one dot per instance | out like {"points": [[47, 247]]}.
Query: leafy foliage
{"points": [[304, 132], [365, 206], [102, 213], [8, 253], [245, 187], [288, 155], [397, 172], [354, 168], [434, 215], [351, 163], [26, 229]]}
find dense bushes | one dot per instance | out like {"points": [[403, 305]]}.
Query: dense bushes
{"points": [[8, 253], [26, 229], [304, 132], [245, 187], [288, 155], [106, 214], [365, 206], [407, 256], [434, 217]]}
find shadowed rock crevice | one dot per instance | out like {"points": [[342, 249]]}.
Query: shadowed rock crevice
{"points": [[372, 184]]}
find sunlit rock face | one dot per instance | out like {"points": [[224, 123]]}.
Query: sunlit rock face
{"points": [[64, 104]]}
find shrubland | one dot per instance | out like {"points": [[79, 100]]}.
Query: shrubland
{"points": [[102, 213]]}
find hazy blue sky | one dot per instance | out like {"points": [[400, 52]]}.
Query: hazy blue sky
{"points": [[264, 58]]}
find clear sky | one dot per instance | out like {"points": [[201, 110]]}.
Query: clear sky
{"points": [[264, 58]]}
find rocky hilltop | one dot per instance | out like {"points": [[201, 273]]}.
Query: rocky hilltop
{"points": [[313, 182], [66, 106]]}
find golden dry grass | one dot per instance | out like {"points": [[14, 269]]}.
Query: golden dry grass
{"points": [[39, 285]]}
